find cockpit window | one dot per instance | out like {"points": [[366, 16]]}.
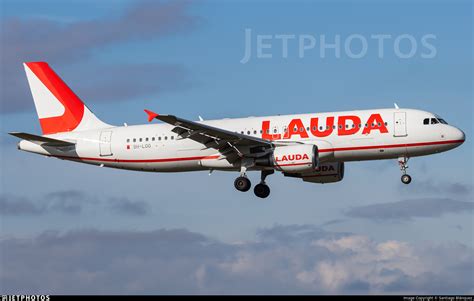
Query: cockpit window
{"points": [[434, 121]]}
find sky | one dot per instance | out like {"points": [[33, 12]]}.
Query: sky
{"points": [[76, 229]]}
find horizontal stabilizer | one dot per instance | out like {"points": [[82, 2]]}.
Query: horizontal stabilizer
{"points": [[42, 140]]}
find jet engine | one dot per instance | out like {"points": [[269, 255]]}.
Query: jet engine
{"points": [[324, 173], [302, 158]]}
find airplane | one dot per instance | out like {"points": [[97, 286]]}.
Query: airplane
{"points": [[311, 147]]}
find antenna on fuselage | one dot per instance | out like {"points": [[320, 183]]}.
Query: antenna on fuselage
{"points": [[396, 106]]}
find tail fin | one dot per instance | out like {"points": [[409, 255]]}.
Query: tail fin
{"points": [[59, 109]]}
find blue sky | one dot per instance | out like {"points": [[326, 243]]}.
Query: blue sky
{"points": [[184, 58]]}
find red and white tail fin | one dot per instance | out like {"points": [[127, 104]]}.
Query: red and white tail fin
{"points": [[59, 109]]}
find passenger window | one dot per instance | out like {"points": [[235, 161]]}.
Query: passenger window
{"points": [[166, 137], [255, 132], [140, 139], [172, 137], [159, 138], [434, 121], [426, 121], [146, 139], [275, 130], [152, 138], [128, 140], [134, 140], [307, 128]]}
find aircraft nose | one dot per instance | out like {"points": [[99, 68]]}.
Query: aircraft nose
{"points": [[462, 136], [458, 135]]}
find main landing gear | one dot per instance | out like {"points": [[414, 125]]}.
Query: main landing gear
{"points": [[242, 183], [402, 161], [261, 190]]}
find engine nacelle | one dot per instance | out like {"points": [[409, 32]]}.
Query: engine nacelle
{"points": [[324, 173], [302, 158]]}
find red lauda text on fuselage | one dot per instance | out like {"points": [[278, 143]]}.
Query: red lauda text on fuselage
{"points": [[296, 127], [292, 157]]}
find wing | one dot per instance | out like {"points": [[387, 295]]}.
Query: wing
{"points": [[230, 144]]}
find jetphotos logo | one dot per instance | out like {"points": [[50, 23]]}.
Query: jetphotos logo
{"points": [[346, 125], [352, 46]]}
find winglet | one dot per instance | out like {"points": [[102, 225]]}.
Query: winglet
{"points": [[151, 115]]}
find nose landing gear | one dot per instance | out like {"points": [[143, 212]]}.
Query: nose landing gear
{"points": [[402, 161]]}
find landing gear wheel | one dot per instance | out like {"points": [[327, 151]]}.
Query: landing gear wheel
{"points": [[242, 184], [406, 179], [262, 190]]}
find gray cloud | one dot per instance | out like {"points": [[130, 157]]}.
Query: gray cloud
{"points": [[129, 207], [16, 206], [178, 261], [66, 201], [408, 209], [444, 188], [71, 202], [64, 43]]}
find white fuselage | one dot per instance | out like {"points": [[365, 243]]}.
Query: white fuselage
{"points": [[154, 147]]}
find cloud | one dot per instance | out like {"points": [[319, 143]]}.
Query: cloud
{"points": [[179, 261], [16, 206], [126, 206], [66, 201], [59, 43], [70, 202], [408, 209], [446, 188]]}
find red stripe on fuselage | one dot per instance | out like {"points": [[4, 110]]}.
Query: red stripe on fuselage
{"points": [[217, 156], [389, 146], [140, 161]]}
